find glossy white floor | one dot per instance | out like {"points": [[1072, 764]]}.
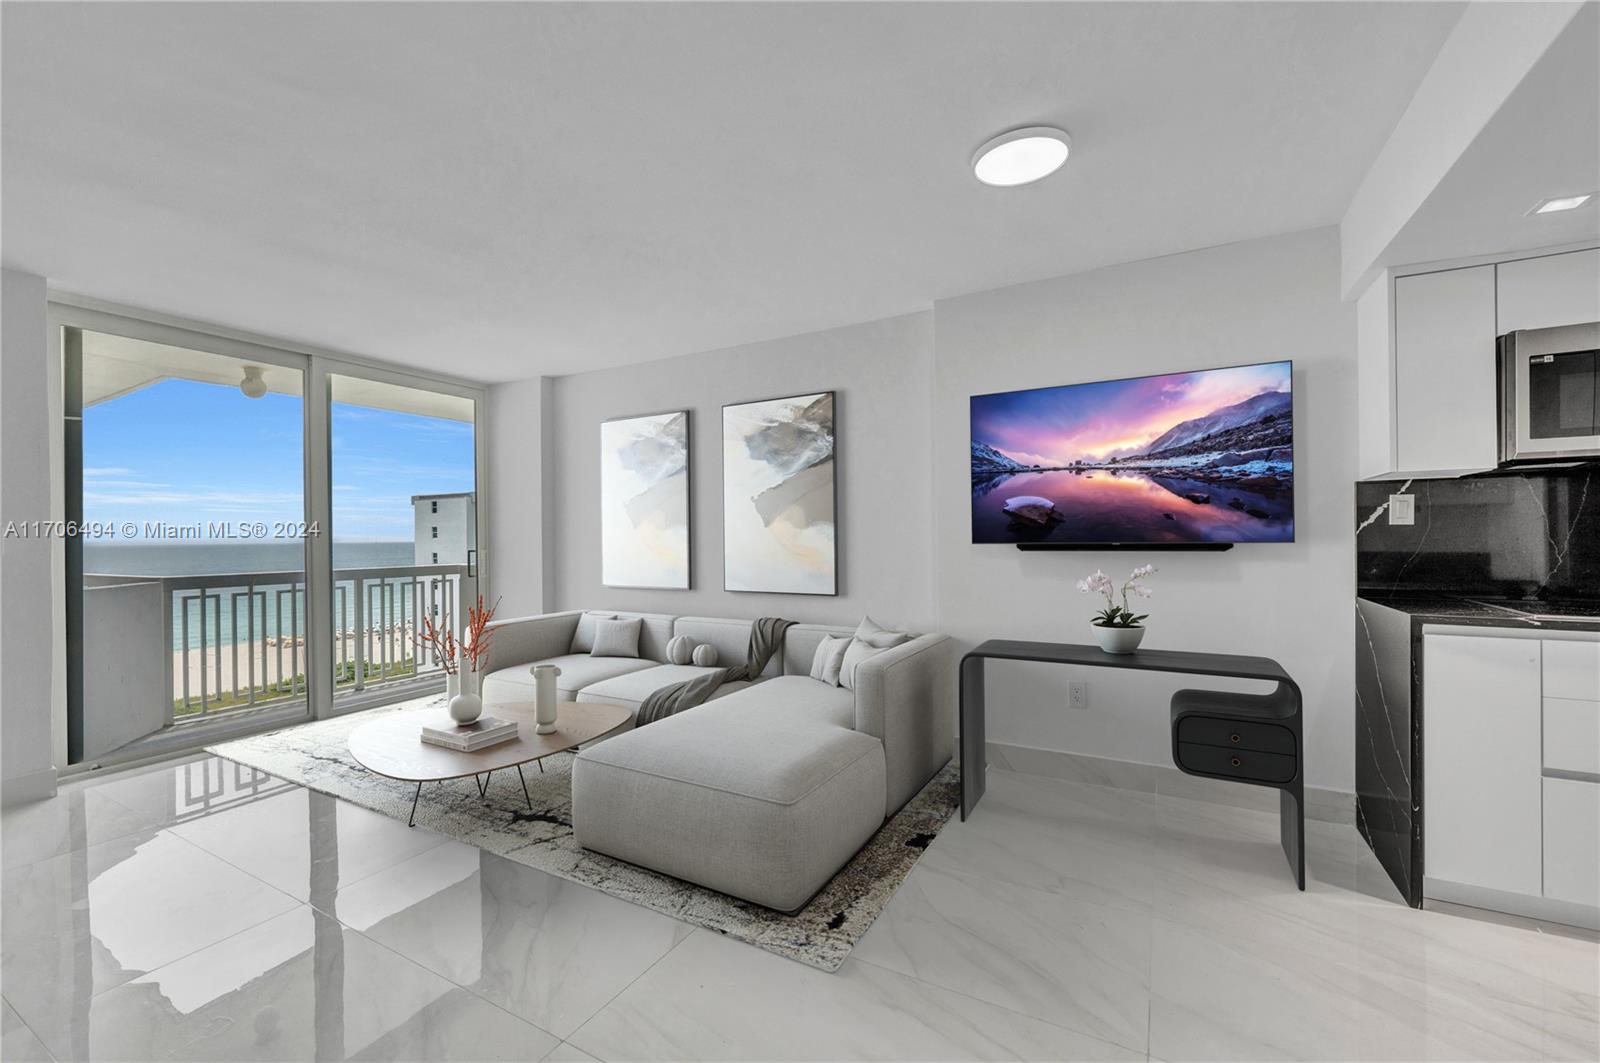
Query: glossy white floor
{"points": [[198, 911]]}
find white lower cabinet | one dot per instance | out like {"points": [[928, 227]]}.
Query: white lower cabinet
{"points": [[1572, 841], [1481, 762]]}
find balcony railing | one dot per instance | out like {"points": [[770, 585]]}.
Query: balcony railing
{"points": [[236, 640]]}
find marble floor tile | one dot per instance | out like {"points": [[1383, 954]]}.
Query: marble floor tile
{"points": [[306, 843], [715, 999], [567, 1052], [75, 818], [82, 922], [1092, 843], [549, 950], [181, 791], [18, 1043], [1065, 961], [297, 987]]}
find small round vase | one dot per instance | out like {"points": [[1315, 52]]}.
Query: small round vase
{"points": [[464, 708], [1118, 639]]}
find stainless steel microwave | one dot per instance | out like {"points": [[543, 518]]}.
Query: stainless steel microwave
{"points": [[1550, 394]]}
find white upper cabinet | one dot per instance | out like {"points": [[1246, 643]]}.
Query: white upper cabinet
{"points": [[1550, 291], [1444, 372], [1427, 357]]}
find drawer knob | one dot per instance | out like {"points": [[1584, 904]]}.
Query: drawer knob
{"points": [[1233, 738], [1234, 762]]}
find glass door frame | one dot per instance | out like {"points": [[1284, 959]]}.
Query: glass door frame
{"points": [[67, 312]]}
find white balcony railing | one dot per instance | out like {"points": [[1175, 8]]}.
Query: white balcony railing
{"points": [[233, 641]]}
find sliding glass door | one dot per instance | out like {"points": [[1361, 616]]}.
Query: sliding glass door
{"points": [[186, 581], [405, 529], [252, 535]]}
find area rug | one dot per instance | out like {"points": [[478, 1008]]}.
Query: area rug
{"points": [[317, 756]]}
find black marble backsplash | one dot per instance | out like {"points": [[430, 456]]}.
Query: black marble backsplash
{"points": [[1527, 535]]}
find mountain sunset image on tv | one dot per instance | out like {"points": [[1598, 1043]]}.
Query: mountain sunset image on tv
{"points": [[1201, 457]]}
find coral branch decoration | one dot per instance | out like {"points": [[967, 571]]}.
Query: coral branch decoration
{"points": [[1114, 615], [475, 642], [443, 644]]}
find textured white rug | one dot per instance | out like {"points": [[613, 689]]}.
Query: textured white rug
{"points": [[317, 756]]}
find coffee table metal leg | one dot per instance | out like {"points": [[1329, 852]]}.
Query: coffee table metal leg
{"points": [[483, 785], [412, 822], [524, 782]]}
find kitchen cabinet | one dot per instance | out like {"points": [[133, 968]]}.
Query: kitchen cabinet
{"points": [[1548, 291], [1572, 841], [1427, 357], [1482, 762], [1444, 381]]}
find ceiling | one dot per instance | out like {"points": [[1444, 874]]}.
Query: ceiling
{"points": [[1543, 142], [498, 191]]}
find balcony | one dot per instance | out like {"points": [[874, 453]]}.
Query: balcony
{"points": [[173, 651]]}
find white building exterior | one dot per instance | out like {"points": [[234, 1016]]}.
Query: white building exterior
{"points": [[446, 527]]}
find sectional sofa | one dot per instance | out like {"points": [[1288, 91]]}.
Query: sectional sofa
{"points": [[767, 789]]}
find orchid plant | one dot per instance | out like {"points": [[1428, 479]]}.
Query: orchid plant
{"points": [[1114, 615]]}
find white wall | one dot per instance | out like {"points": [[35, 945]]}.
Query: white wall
{"points": [[881, 372], [1258, 301], [517, 515], [26, 623]]}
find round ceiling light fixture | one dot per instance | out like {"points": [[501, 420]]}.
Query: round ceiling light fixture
{"points": [[252, 385], [1021, 156]]}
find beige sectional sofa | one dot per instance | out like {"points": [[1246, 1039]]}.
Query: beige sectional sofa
{"points": [[769, 788]]}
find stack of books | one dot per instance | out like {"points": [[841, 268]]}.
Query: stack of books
{"points": [[481, 733]]}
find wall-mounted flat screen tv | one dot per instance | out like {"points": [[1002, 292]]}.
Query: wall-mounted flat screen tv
{"points": [[1202, 457]]}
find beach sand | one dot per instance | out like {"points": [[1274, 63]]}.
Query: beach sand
{"points": [[273, 660]]}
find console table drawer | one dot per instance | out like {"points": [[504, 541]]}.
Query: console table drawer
{"points": [[1236, 763], [1236, 734]]}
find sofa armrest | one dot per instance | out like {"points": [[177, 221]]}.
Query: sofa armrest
{"points": [[525, 639], [903, 698]]}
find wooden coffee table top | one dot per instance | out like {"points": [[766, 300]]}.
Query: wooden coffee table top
{"points": [[392, 745]]}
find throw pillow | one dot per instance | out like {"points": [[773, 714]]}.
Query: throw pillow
{"points": [[705, 655], [616, 638], [680, 649], [828, 659], [863, 648], [583, 638]]}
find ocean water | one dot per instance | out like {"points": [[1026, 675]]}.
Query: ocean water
{"points": [[230, 622]]}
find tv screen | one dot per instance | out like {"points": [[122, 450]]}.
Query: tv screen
{"points": [[1202, 457]]}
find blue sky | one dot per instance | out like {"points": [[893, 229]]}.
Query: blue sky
{"points": [[183, 452]]}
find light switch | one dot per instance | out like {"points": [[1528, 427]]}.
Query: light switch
{"points": [[1402, 509]]}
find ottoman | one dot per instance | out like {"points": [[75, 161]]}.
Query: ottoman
{"points": [[755, 804]]}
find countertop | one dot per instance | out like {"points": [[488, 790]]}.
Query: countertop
{"points": [[1488, 613]]}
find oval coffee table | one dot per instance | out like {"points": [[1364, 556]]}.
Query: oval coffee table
{"points": [[392, 745]]}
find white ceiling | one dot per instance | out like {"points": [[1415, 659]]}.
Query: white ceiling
{"points": [[1543, 142], [503, 190]]}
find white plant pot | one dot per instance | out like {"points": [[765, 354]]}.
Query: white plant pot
{"points": [[544, 697], [466, 706], [1118, 639]]}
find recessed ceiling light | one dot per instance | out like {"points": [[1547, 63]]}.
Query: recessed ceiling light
{"points": [[1021, 156], [1550, 206]]}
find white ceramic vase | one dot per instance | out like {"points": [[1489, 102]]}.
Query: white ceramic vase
{"points": [[544, 698], [1118, 639], [466, 705], [452, 687]]}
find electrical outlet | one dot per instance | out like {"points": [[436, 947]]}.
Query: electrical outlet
{"points": [[1078, 695], [1402, 509]]}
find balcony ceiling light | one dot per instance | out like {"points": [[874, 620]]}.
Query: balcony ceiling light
{"points": [[252, 385], [1021, 156]]}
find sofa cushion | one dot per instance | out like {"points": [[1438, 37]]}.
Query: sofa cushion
{"points": [[796, 697], [616, 638], [578, 670], [583, 637], [752, 804], [829, 659], [630, 689], [800, 645]]}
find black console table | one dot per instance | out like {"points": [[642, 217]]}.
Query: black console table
{"points": [[1245, 738]]}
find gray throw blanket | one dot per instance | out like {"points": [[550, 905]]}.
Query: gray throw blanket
{"points": [[766, 636]]}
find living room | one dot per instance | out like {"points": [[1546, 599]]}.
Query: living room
{"points": [[563, 531]]}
